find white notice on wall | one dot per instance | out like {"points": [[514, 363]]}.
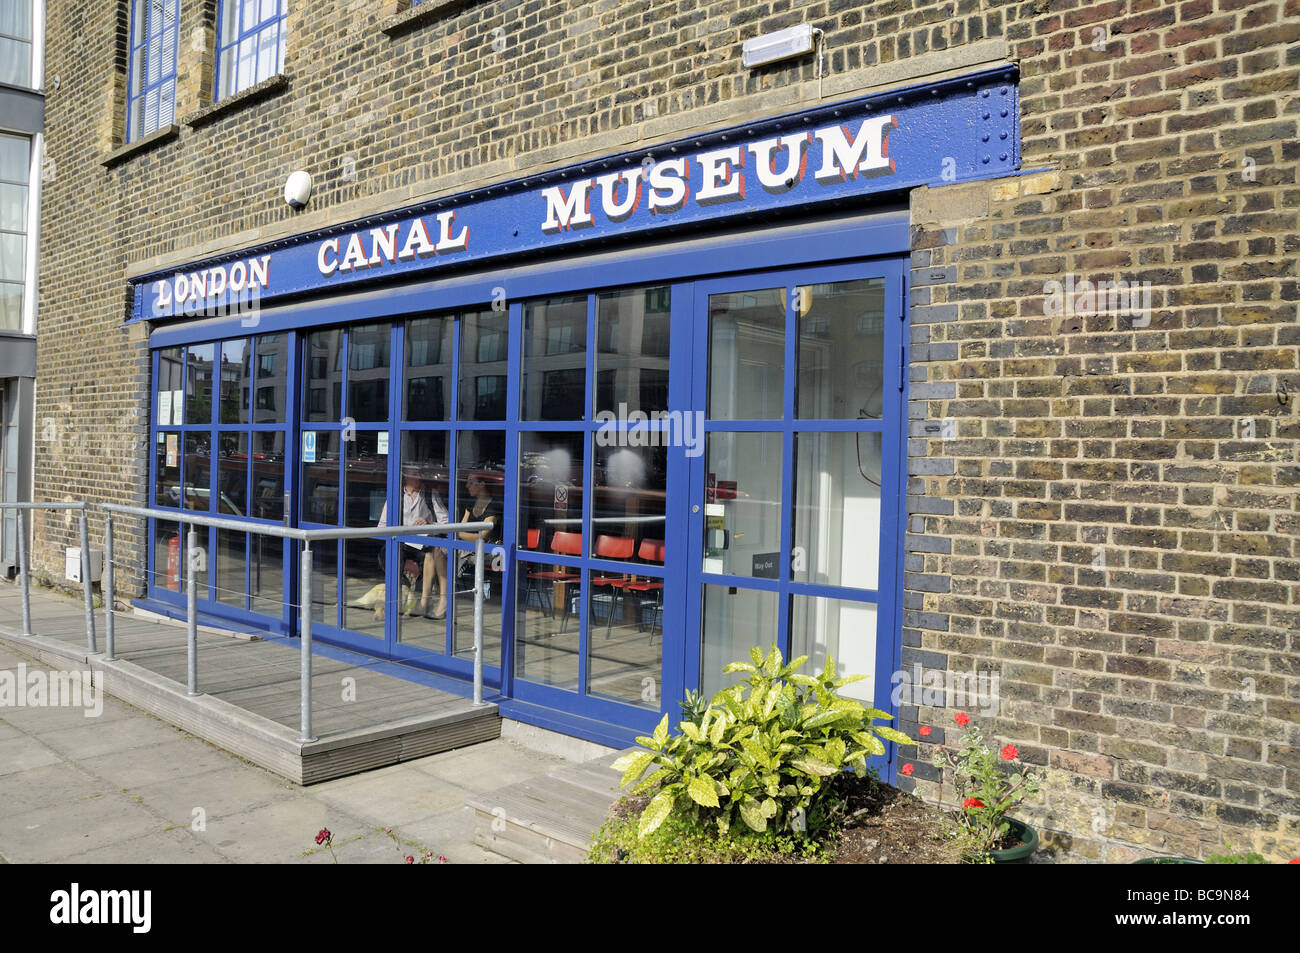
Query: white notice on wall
{"points": [[177, 401], [382, 450], [164, 408]]}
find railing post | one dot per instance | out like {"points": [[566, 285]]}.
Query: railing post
{"points": [[110, 642], [191, 610], [304, 647], [87, 586], [23, 574], [478, 620]]}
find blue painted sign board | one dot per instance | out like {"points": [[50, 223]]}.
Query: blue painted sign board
{"points": [[935, 134]]}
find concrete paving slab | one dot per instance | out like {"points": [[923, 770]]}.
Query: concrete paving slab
{"points": [[58, 783], [64, 830], [280, 832], [173, 846], [135, 767], [230, 789], [96, 737], [488, 766], [23, 754], [395, 800]]}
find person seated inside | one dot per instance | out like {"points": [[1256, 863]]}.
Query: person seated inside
{"points": [[483, 508], [417, 512]]}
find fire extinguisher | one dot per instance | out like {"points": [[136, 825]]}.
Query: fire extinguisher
{"points": [[174, 563]]}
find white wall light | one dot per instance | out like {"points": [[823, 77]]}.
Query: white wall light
{"points": [[781, 45], [297, 189]]}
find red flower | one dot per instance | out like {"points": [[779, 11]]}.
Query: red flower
{"points": [[323, 836], [1295, 860], [410, 859], [972, 804], [925, 731], [442, 859], [906, 770], [1010, 753], [962, 719]]}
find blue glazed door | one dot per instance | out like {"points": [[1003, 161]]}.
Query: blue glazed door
{"points": [[794, 500]]}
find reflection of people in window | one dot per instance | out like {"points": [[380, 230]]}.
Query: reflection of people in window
{"points": [[416, 512], [483, 509]]}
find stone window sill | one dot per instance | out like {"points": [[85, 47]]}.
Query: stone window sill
{"points": [[143, 144], [418, 16], [271, 86]]}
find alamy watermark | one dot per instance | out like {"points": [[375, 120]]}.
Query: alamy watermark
{"points": [[673, 428], [970, 690], [1131, 299], [55, 689]]}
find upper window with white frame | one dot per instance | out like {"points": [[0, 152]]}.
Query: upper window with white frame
{"points": [[152, 96], [16, 42], [251, 47]]}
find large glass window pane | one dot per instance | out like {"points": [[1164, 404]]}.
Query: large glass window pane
{"points": [[15, 155], [266, 574], [629, 505], [11, 306], [555, 359], [747, 355], [424, 501], [13, 206], [167, 556], [197, 472], [480, 480], [365, 601], [198, 383], [428, 368], [323, 380], [839, 628], [550, 492], [232, 473], [15, 62], [167, 393], [841, 349], [368, 372], [547, 615], [325, 583], [167, 469], [742, 508], [734, 619], [365, 479], [231, 562], [267, 464], [235, 357], [632, 331], [625, 639], [484, 351], [320, 477], [270, 381], [837, 509], [12, 249]]}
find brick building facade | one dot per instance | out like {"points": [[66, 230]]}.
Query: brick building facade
{"points": [[1101, 503]]}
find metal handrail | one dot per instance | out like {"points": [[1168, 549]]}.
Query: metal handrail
{"points": [[306, 537], [23, 572]]}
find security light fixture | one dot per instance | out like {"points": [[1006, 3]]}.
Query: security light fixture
{"points": [[781, 45], [297, 189]]}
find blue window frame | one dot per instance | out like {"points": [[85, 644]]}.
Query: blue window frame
{"points": [[251, 45], [152, 97], [852, 432]]}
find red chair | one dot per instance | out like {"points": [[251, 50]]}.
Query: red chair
{"points": [[612, 547], [564, 544], [650, 551]]}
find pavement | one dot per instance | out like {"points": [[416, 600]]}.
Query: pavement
{"points": [[125, 787]]}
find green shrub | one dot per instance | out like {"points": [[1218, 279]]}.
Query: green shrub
{"points": [[679, 840], [760, 752]]}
